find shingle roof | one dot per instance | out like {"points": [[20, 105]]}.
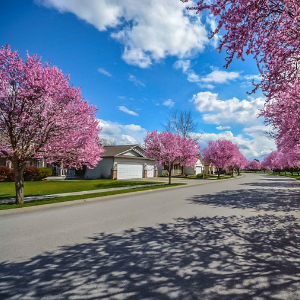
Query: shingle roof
{"points": [[115, 150]]}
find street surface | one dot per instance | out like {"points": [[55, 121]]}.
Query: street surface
{"points": [[230, 239]]}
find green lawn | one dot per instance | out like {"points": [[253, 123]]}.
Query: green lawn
{"points": [[34, 188], [295, 175], [80, 197]]}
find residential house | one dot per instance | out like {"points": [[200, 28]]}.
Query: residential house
{"points": [[199, 167], [123, 162]]}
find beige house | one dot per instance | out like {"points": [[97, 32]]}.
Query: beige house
{"points": [[123, 162], [198, 168]]}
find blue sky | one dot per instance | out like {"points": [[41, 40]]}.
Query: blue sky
{"points": [[139, 61]]}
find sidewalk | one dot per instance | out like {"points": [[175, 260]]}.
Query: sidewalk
{"points": [[31, 198], [164, 181]]}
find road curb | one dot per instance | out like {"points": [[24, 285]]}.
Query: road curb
{"points": [[102, 198]]}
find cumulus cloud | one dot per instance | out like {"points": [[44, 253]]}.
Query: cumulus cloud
{"points": [[149, 30], [121, 134], [223, 127], [169, 103], [216, 76], [253, 77], [255, 147], [133, 127], [225, 111], [127, 111], [104, 72], [136, 81], [183, 65]]}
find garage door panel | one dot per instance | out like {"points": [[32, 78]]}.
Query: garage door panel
{"points": [[130, 170], [198, 170], [150, 170]]}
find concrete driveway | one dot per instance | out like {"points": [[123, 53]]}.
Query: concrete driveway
{"points": [[231, 239]]}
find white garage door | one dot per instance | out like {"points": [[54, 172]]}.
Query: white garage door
{"points": [[130, 170], [198, 170], [150, 170]]}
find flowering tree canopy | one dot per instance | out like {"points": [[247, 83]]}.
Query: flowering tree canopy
{"points": [[266, 29], [269, 31], [282, 112], [220, 154], [253, 165], [43, 117], [238, 162], [168, 149], [278, 161]]}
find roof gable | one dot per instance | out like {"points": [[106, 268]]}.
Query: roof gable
{"points": [[124, 150]]}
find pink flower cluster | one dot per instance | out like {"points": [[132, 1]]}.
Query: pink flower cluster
{"points": [[167, 149], [224, 154], [42, 116]]}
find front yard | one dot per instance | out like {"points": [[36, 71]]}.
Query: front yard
{"points": [[35, 188]]}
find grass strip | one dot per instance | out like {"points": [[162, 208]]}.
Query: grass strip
{"points": [[82, 197], [295, 176], [39, 188]]}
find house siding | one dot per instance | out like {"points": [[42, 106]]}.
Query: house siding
{"points": [[102, 170]]}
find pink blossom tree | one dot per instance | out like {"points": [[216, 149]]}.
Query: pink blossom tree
{"points": [[43, 117], [238, 162], [220, 154], [268, 30], [168, 149], [253, 165]]}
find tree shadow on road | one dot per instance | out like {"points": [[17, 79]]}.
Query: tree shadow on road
{"points": [[270, 199], [200, 258]]}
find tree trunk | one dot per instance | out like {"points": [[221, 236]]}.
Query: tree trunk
{"points": [[219, 171], [19, 181], [170, 172], [182, 170]]}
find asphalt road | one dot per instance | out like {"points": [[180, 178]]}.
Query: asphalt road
{"points": [[231, 239]]}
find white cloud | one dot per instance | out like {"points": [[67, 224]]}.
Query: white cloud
{"points": [[253, 77], [184, 65], [127, 111], [103, 71], [207, 86], [225, 111], [169, 103], [256, 147], [223, 127], [213, 25], [218, 76], [122, 97], [127, 139], [133, 127], [136, 81], [149, 30], [121, 134], [193, 77]]}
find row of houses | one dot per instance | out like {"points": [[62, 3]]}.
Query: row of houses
{"points": [[123, 162], [129, 161]]}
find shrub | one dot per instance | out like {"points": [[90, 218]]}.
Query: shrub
{"points": [[44, 172], [201, 175], [80, 172], [164, 175], [4, 172], [31, 173], [11, 175]]}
